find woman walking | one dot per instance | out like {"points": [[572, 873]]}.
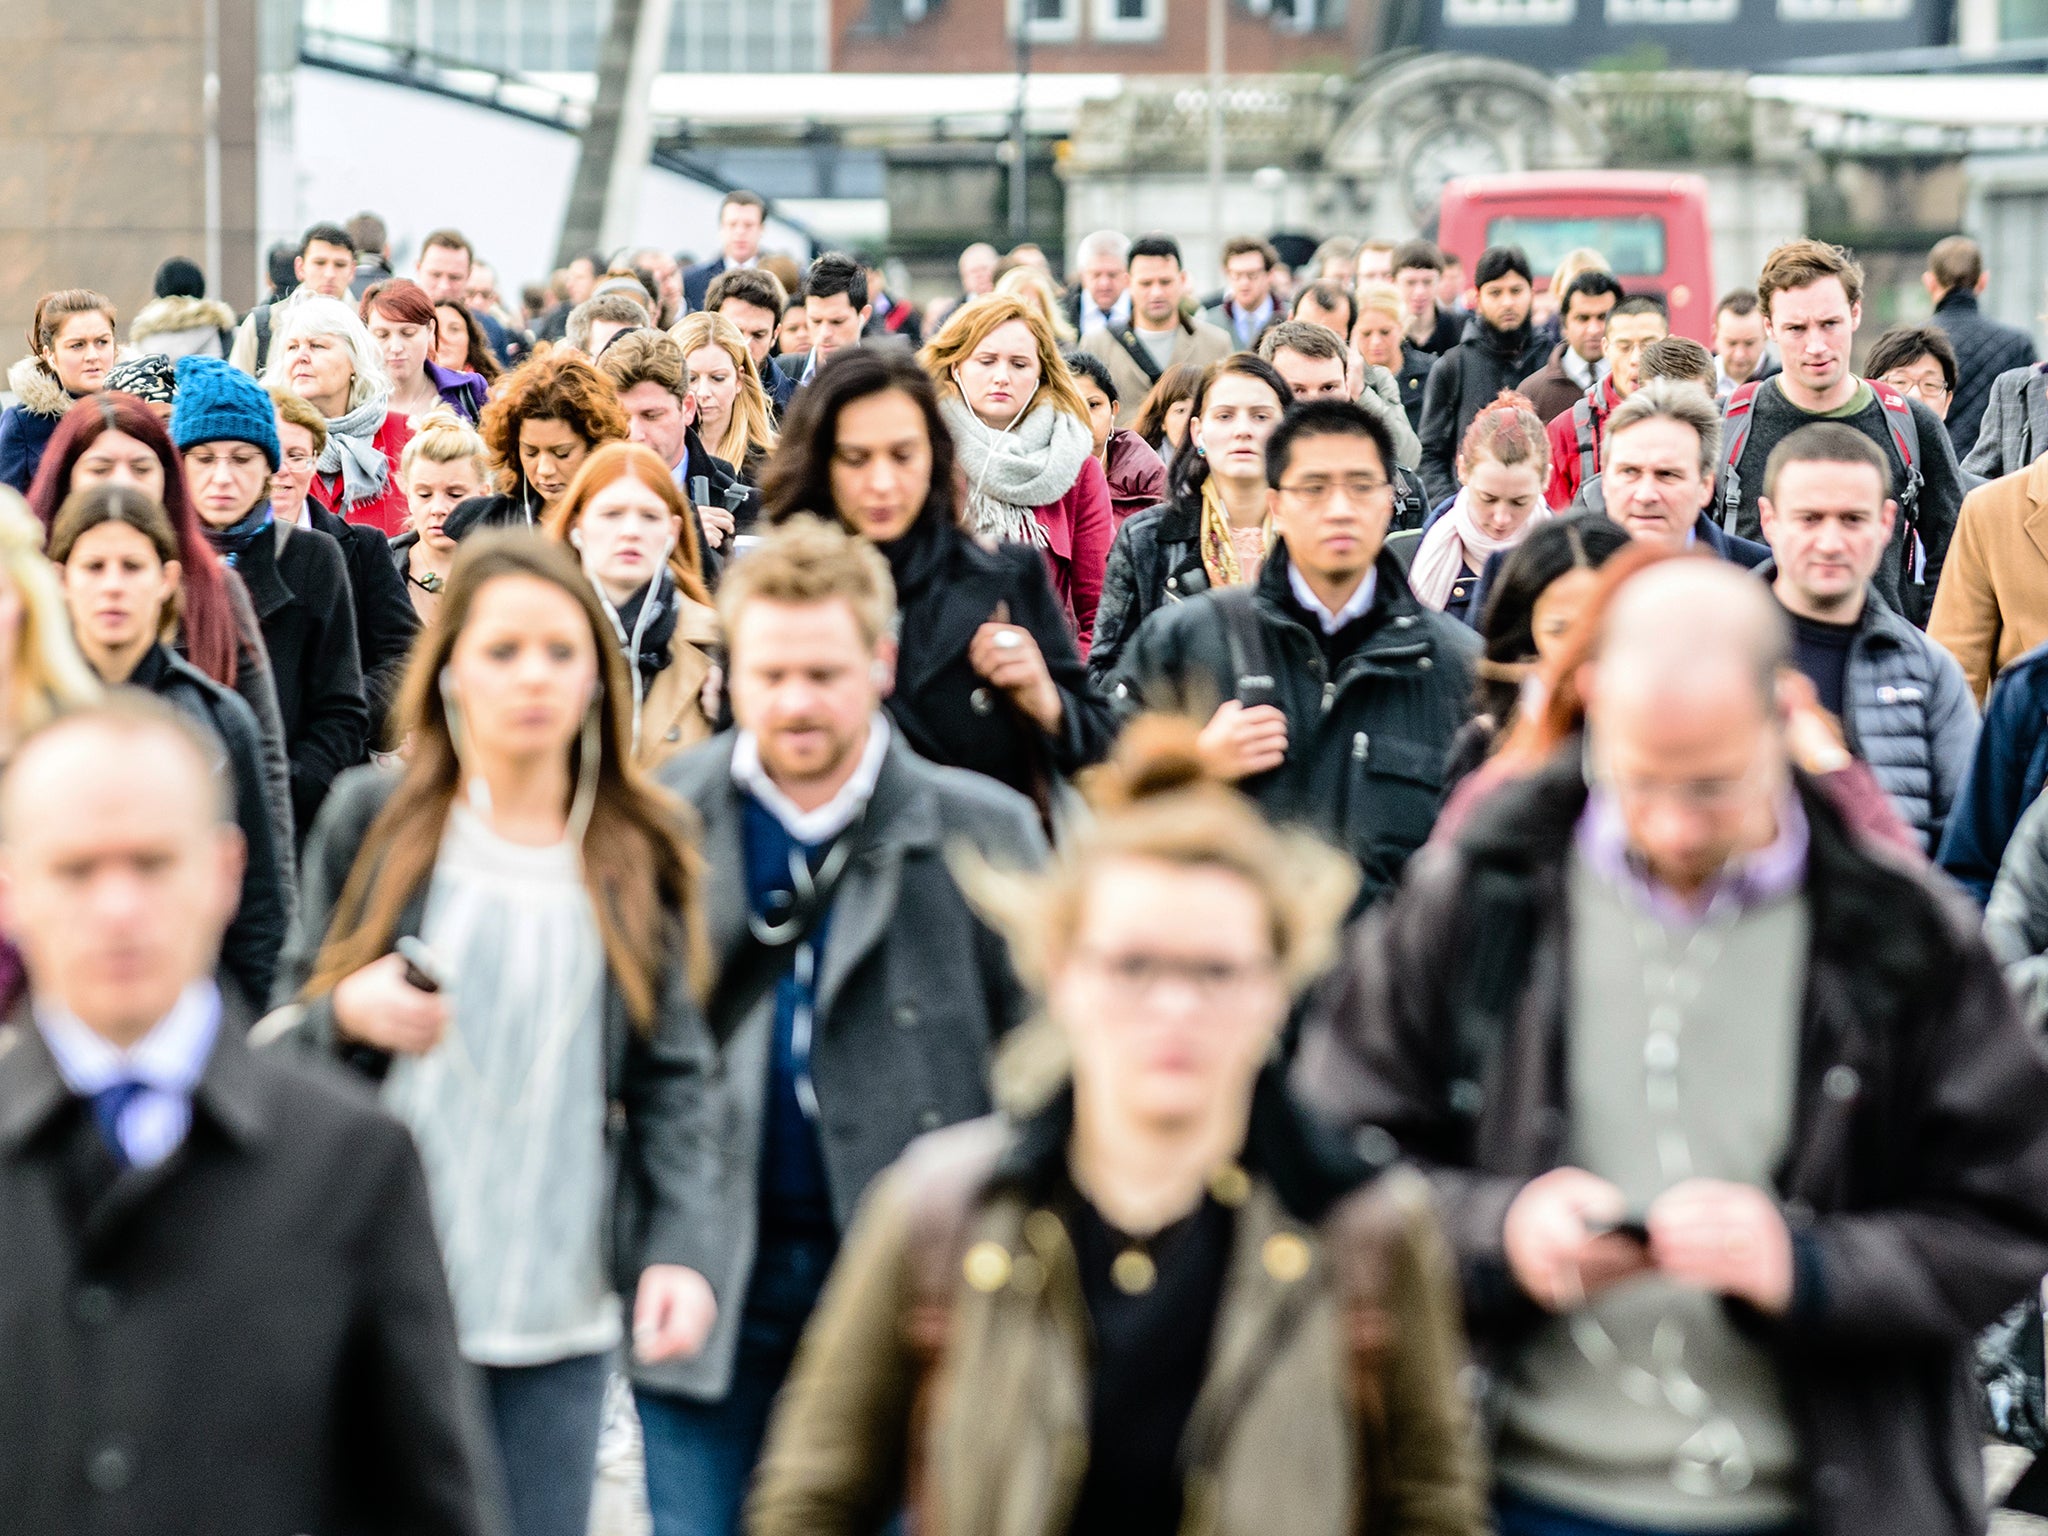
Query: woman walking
{"points": [[554, 902], [1212, 529], [323, 354], [1153, 1298], [734, 417], [119, 558], [405, 325], [1020, 430], [987, 676], [71, 350], [1502, 465], [444, 465], [637, 541], [553, 412]]}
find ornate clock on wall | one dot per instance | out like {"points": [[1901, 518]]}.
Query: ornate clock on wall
{"points": [[1440, 153], [1422, 119]]}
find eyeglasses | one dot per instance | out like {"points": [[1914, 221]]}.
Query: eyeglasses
{"points": [[298, 458], [1359, 490], [1137, 975], [1707, 797], [1927, 389]]}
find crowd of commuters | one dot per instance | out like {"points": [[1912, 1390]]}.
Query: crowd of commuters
{"points": [[1046, 913]]}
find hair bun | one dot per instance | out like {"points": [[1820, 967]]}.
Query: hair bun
{"points": [[1157, 755]]}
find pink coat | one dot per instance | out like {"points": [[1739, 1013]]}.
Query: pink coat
{"points": [[1079, 529]]}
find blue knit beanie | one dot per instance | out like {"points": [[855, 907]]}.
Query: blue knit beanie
{"points": [[221, 404]]}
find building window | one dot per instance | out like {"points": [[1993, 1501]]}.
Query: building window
{"points": [[1672, 12], [1509, 13], [1844, 10], [1128, 21], [1047, 21]]}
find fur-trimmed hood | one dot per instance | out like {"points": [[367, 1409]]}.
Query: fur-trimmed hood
{"points": [[37, 388], [176, 313]]}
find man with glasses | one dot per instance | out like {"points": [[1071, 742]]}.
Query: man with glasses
{"points": [[1731, 1186], [1332, 694], [1917, 361]]}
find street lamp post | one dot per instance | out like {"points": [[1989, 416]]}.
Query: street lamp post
{"points": [[1020, 142], [1218, 14]]}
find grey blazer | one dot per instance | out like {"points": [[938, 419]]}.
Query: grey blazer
{"points": [[914, 992], [2014, 432]]}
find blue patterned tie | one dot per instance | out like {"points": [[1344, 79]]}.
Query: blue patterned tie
{"points": [[108, 1105]]}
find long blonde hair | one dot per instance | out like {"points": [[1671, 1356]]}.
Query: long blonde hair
{"points": [[50, 676], [750, 427], [970, 327]]}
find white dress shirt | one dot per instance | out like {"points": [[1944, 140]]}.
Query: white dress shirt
{"points": [[833, 817], [1354, 605], [168, 1062]]}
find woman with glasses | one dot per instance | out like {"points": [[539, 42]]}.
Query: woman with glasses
{"points": [[1151, 1297], [1916, 360], [225, 426], [1212, 530]]}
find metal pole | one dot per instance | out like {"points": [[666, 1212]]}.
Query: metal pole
{"points": [[211, 90], [1218, 15], [636, 126], [1020, 140]]}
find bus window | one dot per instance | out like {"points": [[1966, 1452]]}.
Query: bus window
{"points": [[1634, 246]]}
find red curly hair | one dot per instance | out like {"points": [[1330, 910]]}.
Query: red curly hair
{"points": [[555, 384], [1509, 432]]}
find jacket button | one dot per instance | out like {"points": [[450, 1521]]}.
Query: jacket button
{"points": [[1407, 620], [931, 1120], [980, 702], [1375, 1146], [1841, 1084], [1424, 664], [906, 1016], [94, 1306], [110, 1469], [615, 1116], [1173, 583]]}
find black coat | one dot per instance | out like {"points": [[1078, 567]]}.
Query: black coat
{"points": [[1366, 746], [252, 1338], [1915, 1182], [386, 623], [1463, 383], [1413, 380], [1984, 350], [299, 584], [1155, 561], [248, 954], [944, 708]]}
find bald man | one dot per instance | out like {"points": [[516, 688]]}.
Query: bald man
{"points": [[221, 1308], [1735, 1131]]}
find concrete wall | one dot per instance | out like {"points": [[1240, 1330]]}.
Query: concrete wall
{"points": [[105, 149]]}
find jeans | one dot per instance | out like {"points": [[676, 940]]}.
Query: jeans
{"points": [[545, 1420], [1517, 1516], [700, 1456]]}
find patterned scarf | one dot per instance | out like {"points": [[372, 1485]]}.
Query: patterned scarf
{"points": [[1219, 549], [352, 452], [233, 541]]}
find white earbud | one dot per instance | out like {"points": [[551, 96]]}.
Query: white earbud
{"points": [[575, 538]]}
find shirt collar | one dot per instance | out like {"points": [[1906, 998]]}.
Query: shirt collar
{"points": [[680, 471], [1118, 313], [1577, 369], [1746, 882], [835, 815], [1354, 606], [171, 1058]]}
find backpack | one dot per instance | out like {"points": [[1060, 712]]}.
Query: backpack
{"points": [[1736, 419], [262, 317], [1586, 432]]}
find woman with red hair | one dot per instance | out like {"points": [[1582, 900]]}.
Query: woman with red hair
{"points": [[406, 327], [1502, 465], [115, 438]]}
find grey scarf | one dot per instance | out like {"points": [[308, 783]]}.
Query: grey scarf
{"points": [[352, 452], [1028, 464]]}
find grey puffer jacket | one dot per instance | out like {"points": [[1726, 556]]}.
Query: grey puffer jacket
{"points": [[1908, 713]]}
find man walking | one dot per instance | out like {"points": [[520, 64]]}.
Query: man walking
{"points": [[1657, 480], [1811, 294], [1339, 691], [1579, 359], [1499, 350], [1902, 700], [1732, 1187], [1955, 279], [1159, 336], [1635, 323], [741, 216], [857, 1000], [222, 1308]]}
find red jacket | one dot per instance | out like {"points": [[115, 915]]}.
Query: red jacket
{"points": [[1564, 445], [1079, 529], [385, 513], [1137, 475]]}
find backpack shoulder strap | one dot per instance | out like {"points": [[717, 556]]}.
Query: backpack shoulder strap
{"points": [[1905, 431], [262, 338], [1126, 336], [1587, 437], [1735, 423], [1252, 672]]}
